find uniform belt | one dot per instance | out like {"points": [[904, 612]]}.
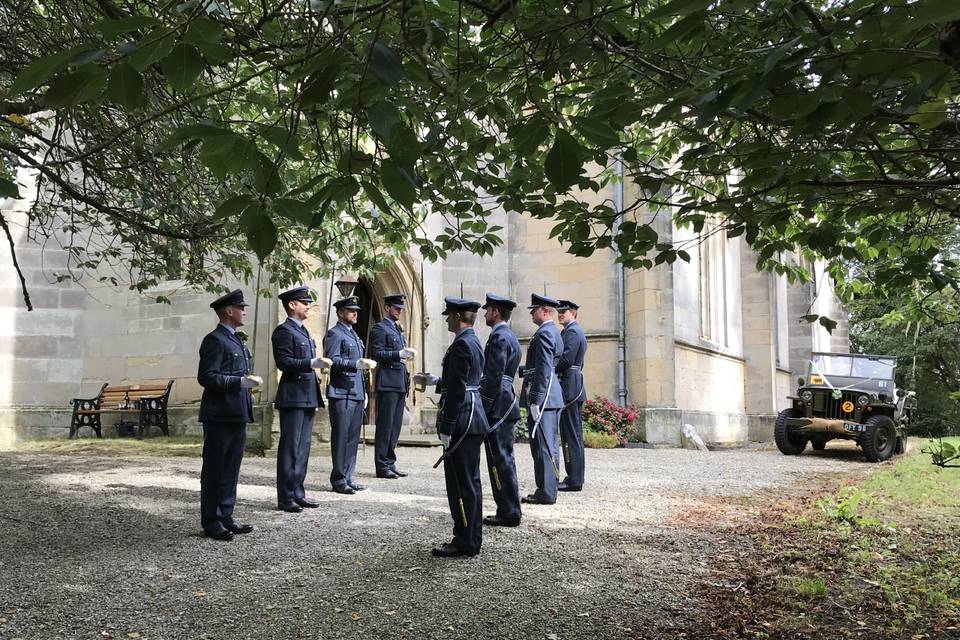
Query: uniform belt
{"points": [[507, 378], [471, 388]]}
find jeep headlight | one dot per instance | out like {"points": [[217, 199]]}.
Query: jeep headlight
{"points": [[807, 396], [863, 400]]}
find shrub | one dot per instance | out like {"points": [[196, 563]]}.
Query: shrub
{"points": [[520, 428], [594, 440], [601, 416]]}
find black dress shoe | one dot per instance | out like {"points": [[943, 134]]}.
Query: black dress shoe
{"points": [[290, 508], [387, 474], [356, 487], [494, 521], [402, 474], [563, 486], [236, 527], [448, 550], [345, 489], [307, 504], [534, 499], [224, 535]]}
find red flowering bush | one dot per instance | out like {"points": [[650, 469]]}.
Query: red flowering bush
{"points": [[600, 415]]}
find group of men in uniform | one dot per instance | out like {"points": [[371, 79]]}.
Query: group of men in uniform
{"points": [[478, 406]]}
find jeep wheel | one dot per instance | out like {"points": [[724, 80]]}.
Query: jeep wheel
{"points": [[819, 443], [790, 444], [879, 440]]}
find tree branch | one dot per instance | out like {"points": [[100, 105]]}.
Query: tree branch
{"points": [[16, 265]]}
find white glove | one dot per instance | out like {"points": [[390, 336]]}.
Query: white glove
{"points": [[364, 364], [535, 412], [408, 353], [445, 440], [250, 382], [321, 363]]}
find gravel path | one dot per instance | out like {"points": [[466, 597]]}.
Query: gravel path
{"points": [[99, 547]]}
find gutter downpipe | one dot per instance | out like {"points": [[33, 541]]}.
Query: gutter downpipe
{"points": [[621, 299]]}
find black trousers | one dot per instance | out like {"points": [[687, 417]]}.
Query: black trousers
{"points": [[461, 470], [346, 418], [389, 422], [571, 437], [543, 447], [293, 453], [223, 444], [503, 470]]}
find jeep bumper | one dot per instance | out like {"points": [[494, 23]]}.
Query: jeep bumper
{"points": [[824, 425]]}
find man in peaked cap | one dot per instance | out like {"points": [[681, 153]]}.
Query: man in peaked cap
{"points": [[225, 410], [501, 358], [542, 397], [388, 349], [461, 426], [345, 393], [298, 397], [570, 372]]}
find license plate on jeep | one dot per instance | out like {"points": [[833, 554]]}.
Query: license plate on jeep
{"points": [[854, 426]]}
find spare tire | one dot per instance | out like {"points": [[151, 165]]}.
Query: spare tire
{"points": [[789, 442]]}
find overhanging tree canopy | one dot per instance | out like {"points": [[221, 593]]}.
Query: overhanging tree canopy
{"points": [[329, 128]]}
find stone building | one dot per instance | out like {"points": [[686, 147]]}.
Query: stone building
{"points": [[712, 342]]}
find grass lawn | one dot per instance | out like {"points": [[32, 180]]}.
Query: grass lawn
{"points": [[876, 557]]}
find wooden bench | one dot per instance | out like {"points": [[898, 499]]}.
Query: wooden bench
{"points": [[148, 402]]}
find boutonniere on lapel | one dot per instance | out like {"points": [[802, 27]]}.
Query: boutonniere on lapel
{"points": [[242, 336], [399, 327]]}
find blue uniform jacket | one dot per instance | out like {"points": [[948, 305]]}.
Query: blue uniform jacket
{"points": [[293, 349], [501, 359], [570, 366], [224, 360], [386, 341], [462, 368], [543, 353], [344, 347]]}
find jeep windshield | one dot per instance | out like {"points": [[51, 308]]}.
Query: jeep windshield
{"points": [[877, 368]]}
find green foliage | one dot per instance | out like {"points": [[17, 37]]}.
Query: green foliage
{"points": [[824, 127], [594, 440], [844, 507], [943, 453]]}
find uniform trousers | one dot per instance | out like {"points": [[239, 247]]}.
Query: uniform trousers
{"points": [[223, 444], [346, 418], [293, 453]]}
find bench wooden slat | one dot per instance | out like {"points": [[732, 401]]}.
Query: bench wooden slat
{"points": [[148, 400]]}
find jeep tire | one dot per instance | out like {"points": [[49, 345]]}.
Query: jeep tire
{"points": [[879, 439], [901, 445], [790, 444]]}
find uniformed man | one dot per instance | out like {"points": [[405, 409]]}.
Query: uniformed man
{"points": [[346, 394], [542, 397], [298, 397], [225, 410], [501, 359], [390, 352], [570, 372], [462, 425]]}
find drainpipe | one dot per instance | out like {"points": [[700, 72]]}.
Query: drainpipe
{"points": [[621, 299]]}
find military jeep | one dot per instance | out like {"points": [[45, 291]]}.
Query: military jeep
{"points": [[849, 397]]}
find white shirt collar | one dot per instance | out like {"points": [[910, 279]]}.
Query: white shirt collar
{"points": [[502, 323], [295, 321], [229, 328], [461, 331]]}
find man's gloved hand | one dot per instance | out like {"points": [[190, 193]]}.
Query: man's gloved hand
{"points": [[363, 364], [408, 353], [250, 382], [321, 363], [445, 439], [535, 412]]}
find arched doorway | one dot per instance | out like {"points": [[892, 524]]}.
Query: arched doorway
{"points": [[371, 310]]}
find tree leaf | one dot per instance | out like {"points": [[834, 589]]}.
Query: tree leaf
{"points": [[937, 10], [382, 116], [292, 209], [111, 28], [282, 139], [318, 87], [930, 114], [528, 136], [563, 164], [398, 183], [679, 30], [126, 86], [260, 231], [233, 207], [152, 48], [182, 66], [38, 71], [9, 189], [375, 196], [678, 8], [828, 324], [202, 31], [386, 64], [76, 88]]}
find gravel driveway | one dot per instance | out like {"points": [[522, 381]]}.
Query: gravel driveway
{"points": [[100, 547]]}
